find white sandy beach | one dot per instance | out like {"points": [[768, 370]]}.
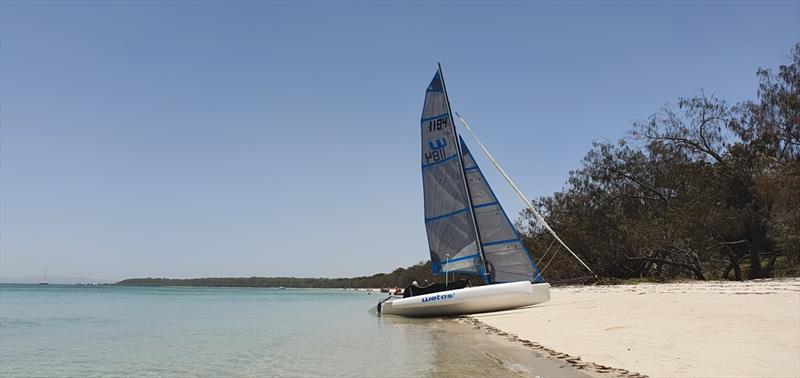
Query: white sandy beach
{"points": [[695, 329]]}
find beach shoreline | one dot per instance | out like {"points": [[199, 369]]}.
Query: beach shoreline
{"points": [[688, 329], [510, 358]]}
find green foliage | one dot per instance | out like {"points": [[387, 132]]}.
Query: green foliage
{"points": [[700, 190]]}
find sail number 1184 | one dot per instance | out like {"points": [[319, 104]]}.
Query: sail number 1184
{"points": [[437, 124]]}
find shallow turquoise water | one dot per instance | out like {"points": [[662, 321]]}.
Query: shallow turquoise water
{"points": [[60, 330]]}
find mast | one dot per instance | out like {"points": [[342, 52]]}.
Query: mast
{"points": [[464, 178]]}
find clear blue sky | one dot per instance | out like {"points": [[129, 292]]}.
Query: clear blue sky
{"points": [[188, 139]]}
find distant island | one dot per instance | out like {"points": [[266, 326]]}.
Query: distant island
{"points": [[400, 277]]}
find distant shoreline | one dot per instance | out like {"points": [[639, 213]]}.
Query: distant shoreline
{"points": [[253, 282], [191, 286], [353, 283], [399, 277]]}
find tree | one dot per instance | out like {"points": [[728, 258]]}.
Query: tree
{"points": [[693, 190]]}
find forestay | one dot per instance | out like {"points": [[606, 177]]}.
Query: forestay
{"points": [[506, 255], [452, 237]]}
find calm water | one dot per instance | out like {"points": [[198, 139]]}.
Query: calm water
{"points": [[59, 330]]}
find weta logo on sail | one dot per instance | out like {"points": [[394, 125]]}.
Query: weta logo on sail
{"points": [[438, 297], [437, 150], [440, 143]]}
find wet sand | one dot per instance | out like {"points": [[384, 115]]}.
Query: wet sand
{"points": [[694, 329], [467, 349]]}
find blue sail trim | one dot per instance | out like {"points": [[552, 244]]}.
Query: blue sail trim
{"points": [[436, 83], [485, 205], [464, 210], [434, 117], [470, 169], [440, 161], [537, 275], [507, 241], [460, 258], [482, 273], [437, 270]]}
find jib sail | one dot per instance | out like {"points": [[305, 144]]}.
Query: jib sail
{"points": [[506, 257]]}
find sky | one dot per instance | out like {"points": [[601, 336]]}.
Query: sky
{"points": [[194, 139]]}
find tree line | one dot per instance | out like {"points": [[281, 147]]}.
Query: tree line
{"points": [[400, 277], [701, 189]]}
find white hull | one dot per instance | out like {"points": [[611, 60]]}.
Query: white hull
{"points": [[469, 300]]}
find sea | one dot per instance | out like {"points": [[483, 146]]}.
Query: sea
{"points": [[88, 331]]}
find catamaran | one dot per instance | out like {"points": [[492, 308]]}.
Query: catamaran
{"points": [[468, 230]]}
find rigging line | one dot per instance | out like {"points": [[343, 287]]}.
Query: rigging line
{"points": [[547, 251], [548, 263], [519, 193]]}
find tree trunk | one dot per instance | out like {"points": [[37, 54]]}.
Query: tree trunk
{"points": [[758, 244], [771, 265], [734, 259], [737, 272]]}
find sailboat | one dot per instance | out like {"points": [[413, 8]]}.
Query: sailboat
{"points": [[44, 278], [468, 230]]}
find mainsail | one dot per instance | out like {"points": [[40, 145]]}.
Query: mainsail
{"points": [[452, 234], [468, 231]]}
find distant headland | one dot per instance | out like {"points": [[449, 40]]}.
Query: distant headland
{"points": [[398, 278]]}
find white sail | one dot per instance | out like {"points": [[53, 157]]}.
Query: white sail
{"points": [[452, 235]]}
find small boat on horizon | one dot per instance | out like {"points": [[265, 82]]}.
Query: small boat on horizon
{"points": [[44, 278], [468, 231]]}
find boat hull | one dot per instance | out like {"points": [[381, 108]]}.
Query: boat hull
{"points": [[469, 300]]}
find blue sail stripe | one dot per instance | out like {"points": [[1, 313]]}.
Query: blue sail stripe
{"points": [[459, 271], [434, 117], [470, 169], [458, 259], [507, 241], [446, 215], [485, 205], [440, 161]]}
